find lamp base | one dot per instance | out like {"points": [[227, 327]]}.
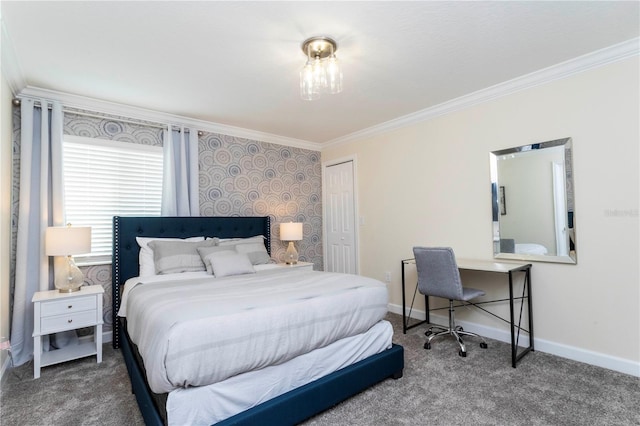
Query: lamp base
{"points": [[68, 277], [291, 255], [68, 290]]}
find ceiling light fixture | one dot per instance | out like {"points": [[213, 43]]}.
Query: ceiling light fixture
{"points": [[322, 73]]}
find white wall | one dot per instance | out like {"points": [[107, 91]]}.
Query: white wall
{"points": [[429, 184]]}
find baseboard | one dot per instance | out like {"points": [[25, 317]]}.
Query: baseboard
{"points": [[570, 352]]}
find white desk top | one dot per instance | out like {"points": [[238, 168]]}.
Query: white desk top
{"points": [[484, 265], [489, 265]]}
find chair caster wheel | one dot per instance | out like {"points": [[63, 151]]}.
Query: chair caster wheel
{"points": [[458, 328], [428, 333], [427, 345], [483, 345], [462, 354]]}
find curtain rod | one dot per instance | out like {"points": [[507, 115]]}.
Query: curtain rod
{"points": [[17, 102]]}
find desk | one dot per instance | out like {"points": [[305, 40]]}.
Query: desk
{"points": [[493, 267]]}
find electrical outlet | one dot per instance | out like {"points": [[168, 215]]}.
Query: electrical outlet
{"points": [[387, 277]]}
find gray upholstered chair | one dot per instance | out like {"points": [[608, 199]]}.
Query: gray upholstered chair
{"points": [[438, 276]]}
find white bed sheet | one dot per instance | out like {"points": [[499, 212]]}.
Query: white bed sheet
{"points": [[213, 403], [179, 326]]}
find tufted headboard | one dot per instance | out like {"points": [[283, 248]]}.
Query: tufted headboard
{"points": [[126, 250]]}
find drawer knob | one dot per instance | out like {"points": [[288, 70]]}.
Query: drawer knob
{"points": [[70, 306], [70, 321]]}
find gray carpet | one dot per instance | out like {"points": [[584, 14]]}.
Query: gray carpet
{"points": [[438, 388]]}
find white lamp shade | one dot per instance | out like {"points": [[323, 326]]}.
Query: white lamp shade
{"points": [[291, 231], [67, 240]]}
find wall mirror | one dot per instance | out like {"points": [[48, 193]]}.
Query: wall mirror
{"points": [[533, 202]]}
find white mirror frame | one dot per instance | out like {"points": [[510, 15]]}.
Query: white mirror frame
{"points": [[557, 205]]}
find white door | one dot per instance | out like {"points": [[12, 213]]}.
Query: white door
{"points": [[340, 219]]}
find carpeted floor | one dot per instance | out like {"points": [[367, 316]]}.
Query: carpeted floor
{"points": [[438, 388]]}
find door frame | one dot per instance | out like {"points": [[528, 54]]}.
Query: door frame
{"points": [[356, 220]]}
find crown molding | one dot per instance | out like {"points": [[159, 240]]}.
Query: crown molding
{"points": [[120, 110], [11, 70], [562, 70]]}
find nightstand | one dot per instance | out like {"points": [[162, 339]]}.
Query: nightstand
{"points": [[54, 312], [300, 265]]}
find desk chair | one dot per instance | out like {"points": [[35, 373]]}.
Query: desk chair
{"points": [[438, 276]]}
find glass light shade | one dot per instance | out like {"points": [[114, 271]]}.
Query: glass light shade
{"points": [[319, 73], [66, 241], [334, 76], [308, 90]]}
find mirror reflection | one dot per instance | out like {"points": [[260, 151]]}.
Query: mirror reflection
{"points": [[533, 202]]}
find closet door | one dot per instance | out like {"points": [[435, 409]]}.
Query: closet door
{"points": [[340, 218]]}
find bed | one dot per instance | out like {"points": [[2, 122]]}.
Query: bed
{"points": [[290, 407]]}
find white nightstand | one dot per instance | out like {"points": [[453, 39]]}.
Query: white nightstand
{"points": [[301, 265], [54, 312]]}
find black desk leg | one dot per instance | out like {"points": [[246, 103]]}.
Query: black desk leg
{"points": [[404, 308], [514, 348], [526, 293], [528, 278]]}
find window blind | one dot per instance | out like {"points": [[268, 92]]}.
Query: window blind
{"points": [[104, 178]]}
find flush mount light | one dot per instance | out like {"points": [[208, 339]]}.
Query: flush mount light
{"points": [[322, 73]]}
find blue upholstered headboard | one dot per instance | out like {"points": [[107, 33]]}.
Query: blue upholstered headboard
{"points": [[126, 250]]}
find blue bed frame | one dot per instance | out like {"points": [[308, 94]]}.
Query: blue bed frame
{"points": [[287, 409]]}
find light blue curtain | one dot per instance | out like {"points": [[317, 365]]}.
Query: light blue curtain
{"points": [[41, 205], [180, 184]]}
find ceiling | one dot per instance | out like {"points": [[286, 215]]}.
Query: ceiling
{"points": [[237, 63]]}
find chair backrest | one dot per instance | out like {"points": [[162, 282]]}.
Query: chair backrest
{"points": [[438, 273]]}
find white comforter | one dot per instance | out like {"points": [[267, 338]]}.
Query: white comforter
{"points": [[203, 330]]}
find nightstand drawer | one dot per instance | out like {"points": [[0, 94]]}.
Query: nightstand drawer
{"points": [[67, 322], [66, 306]]}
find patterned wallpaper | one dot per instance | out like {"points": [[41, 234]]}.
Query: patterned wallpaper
{"points": [[238, 177]]}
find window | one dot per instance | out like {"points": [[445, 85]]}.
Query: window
{"points": [[104, 178]]}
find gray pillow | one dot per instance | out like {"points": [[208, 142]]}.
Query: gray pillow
{"points": [[206, 251], [170, 257], [253, 247], [228, 262]]}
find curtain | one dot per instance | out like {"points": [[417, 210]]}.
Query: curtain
{"points": [[180, 183], [41, 204]]}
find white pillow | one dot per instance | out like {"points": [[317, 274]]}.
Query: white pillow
{"points": [[174, 257], [147, 265], [226, 263], [206, 251], [252, 247]]}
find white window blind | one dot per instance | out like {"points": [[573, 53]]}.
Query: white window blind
{"points": [[104, 178]]}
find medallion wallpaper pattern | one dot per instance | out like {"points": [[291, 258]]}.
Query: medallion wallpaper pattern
{"points": [[238, 177]]}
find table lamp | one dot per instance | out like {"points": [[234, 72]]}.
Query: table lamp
{"points": [[67, 241], [291, 231]]}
